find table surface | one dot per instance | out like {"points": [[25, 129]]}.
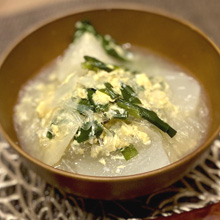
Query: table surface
{"points": [[18, 17]]}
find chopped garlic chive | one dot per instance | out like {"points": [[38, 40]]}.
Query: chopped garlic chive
{"points": [[82, 27], [94, 64], [129, 94], [109, 88], [129, 107], [149, 115], [82, 135], [102, 108], [171, 132], [113, 49], [154, 119], [88, 104], [97, 129], [88, 130], [129, 102], [90, 92], [50, 135], [118, 115], [129, 152], [83, 106], [108, 43], [109, 91]]}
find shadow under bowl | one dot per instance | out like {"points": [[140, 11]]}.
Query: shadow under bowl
{"points": [[179, 42]]}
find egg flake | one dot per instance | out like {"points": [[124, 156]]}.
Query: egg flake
{"points": [[42, 109], [102, 161], [157, 98], [80, 91], [133, 130], [118, 169], [67, 79], [101, 98], [142, 80]]}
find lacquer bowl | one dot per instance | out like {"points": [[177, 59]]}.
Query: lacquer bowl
{"points": [[167, 36]]}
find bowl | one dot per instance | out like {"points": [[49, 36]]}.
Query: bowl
{"points": [[170, 37]]}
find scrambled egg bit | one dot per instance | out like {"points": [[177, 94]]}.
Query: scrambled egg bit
{"points": [[106, 127], [101, 98]]}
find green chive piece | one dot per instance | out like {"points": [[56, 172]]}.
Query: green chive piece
{"points": [[154, 119], [129, 94], [149, 115], [95, 107], [102, 108], [50, 135], [129, 107], [83, 27], [171, 132], [109, 88], [90, 92], [129, 152], [97, 129], [118, 115], [87, 104], [114, 49], [83, 134], [88, 130], [94, 64], [109, 91], [108, 43], [83, 106]]}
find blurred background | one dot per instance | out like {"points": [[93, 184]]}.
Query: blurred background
{"points": [[18, 17]]}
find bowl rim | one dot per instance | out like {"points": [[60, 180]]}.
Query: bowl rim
{"points": [[139, 7]]}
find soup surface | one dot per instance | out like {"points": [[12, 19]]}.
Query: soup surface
{"points": [[100, 110]]}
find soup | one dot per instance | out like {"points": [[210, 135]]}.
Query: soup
{"points": [[101, 110]]}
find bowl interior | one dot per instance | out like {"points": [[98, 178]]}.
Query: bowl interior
{"points": [[147, 30], [166, 36]]}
